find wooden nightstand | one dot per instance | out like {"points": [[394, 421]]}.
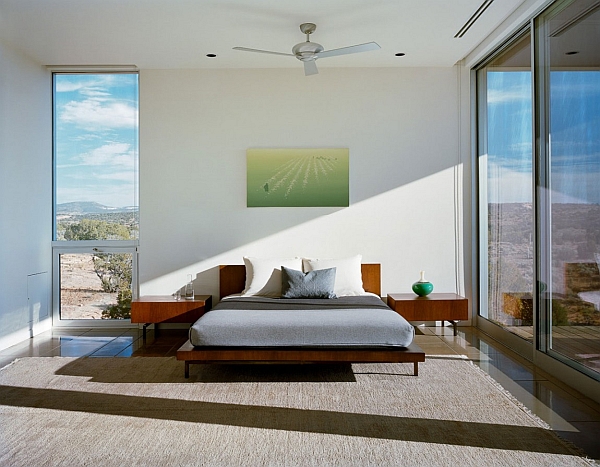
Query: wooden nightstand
{"points": [[434, 307], [154, 309]]}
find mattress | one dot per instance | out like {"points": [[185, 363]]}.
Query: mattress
{"points": [[363, 321]]}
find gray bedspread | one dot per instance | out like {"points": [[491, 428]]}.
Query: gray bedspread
{"points": [[363, 321]]}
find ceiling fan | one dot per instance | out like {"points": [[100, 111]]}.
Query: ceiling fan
{"points": [[308, 52]]}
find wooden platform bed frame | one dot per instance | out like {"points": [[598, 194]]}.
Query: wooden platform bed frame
{"points": [[232, 280]]}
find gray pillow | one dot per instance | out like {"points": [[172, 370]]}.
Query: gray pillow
{"points": [[313, 284]]}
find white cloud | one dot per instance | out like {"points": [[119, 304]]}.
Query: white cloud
{"points": [[110, 155], [94, 91], [118, 176], [94, 114], [513, 94], [86, 137], [68, 86], [84, 82]]}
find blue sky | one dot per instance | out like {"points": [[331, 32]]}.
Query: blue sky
{"points": [[96, 137], [509, 137], [575, 136]]}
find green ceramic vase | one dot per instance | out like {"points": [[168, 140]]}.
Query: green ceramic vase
{"points": [[422, 287]]}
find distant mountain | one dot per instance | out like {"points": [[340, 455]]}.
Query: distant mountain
{"points": [[89, 207]]}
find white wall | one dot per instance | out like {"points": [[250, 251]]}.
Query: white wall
{"points": [[400, 125], [25, 196]]}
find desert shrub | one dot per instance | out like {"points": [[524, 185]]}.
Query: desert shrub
{"points": [[90, 229], [113, 270], [122, 310]]}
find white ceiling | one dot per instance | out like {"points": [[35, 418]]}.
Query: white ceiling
{"points": [[179, 33]]}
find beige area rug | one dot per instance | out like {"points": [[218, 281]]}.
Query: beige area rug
{"points": [[142, 412]]}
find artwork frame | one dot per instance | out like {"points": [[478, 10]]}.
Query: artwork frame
{"points": [[298, 177]]}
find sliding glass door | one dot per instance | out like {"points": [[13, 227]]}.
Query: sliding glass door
{"points": [[568, 57], [506, 187], [539, 187]]}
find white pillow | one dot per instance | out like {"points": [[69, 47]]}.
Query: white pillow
{"points": [[263, 275], [348, 274]]}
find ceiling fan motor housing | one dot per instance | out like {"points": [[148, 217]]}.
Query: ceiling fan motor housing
{"points": [[307, 50]]}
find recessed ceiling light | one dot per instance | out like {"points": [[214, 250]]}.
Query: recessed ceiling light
{"points": [[400, 54], [573, 52], [211, 55]]}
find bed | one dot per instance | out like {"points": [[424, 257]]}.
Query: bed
{"points": [[359, 329]]}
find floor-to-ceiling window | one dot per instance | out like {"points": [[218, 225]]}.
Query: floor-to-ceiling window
{"points": [[506, 187], [539, 185], [568, 57], [95, 196]]}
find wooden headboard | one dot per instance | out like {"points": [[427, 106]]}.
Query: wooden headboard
{"points": [[232, 278]]}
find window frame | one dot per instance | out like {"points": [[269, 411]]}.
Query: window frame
{"points": [[60, 247], [91, 247]]}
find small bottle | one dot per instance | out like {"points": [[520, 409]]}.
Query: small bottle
{"points": [[189, 288]]}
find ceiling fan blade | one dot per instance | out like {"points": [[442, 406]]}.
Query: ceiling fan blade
{"points": [[353, 49], [310, 68], [245, 49]]}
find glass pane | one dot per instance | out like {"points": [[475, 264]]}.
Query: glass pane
{"points": [[95, 286], [96, 156], [573, 38], [506, 189]]}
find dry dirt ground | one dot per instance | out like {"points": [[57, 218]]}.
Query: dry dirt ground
{"points": [[81, 295]]}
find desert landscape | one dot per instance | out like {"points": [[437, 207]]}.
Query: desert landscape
{"points": [[575, 273], [81, 294]]}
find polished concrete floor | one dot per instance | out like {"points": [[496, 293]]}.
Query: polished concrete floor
{"points": [[575, 417]]}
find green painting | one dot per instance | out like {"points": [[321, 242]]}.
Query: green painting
{"points": [[298, 177]]}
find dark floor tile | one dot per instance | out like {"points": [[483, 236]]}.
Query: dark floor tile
{"points": [[33, 347], [560, 402], [69, 331], [114, 347], [152, 352], [126, 352], [485, 345], [586, 438], [132, 332], [499, 364], [77, 350], [54, 352], [104, 333]]}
